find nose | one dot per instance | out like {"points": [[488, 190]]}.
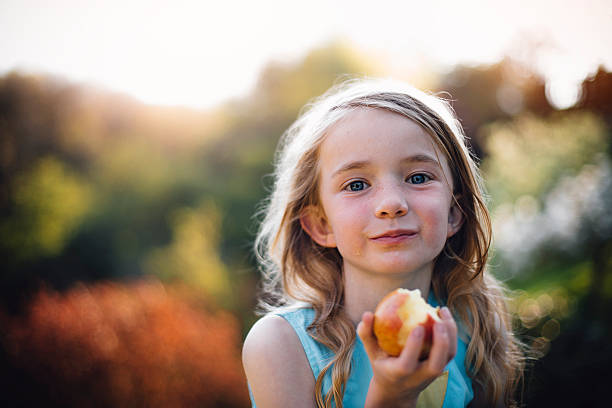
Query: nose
{"points": [[391, 203]]}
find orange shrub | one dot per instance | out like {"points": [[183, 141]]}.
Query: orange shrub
{"points": [[128, 346]]}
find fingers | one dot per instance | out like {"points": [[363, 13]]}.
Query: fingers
{"points": [[438, 356], [444, 342], [442, 351], [451, 328], [409, 356], [365, 333]]}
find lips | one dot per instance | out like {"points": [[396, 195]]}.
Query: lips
{"points": [[394, 236]]}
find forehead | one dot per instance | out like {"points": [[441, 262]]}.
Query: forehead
{"points": [[376, 136]]}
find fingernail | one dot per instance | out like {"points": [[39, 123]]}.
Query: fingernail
{"points": [[418, 332], [446, 313]]}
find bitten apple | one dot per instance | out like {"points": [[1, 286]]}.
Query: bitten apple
{"points": [[397, 315]]}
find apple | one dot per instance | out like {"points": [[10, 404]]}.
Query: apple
{"points": [[397, 315]]}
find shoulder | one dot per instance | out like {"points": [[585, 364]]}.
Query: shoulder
{"points": [[268, 334], [276, 365], [278, 331]]}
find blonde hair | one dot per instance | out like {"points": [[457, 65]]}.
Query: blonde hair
{"points": [[295, 269]]}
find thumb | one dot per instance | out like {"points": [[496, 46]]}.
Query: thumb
{"points": [[366, 334]]}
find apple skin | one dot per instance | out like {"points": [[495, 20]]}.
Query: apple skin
{"points": [[397, 314]]}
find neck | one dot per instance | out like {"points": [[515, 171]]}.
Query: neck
{"points": [[363, 291]]}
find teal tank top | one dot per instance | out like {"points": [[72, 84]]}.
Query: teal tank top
{"points": [[453, 389]]}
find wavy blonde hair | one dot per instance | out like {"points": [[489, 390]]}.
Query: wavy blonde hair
{"points": [[297, 270]]}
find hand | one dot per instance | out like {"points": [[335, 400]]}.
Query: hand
{"points": [[398, 381]]}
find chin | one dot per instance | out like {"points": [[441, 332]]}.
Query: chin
{"points": [[403, 267]]}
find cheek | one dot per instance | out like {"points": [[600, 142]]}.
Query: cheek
{"points": [[435, 217], [347, 221], [346, 214]]}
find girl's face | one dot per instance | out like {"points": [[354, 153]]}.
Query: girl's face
{"points": [[386, 193]]}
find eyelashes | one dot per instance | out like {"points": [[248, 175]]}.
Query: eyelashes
{"points": [[419, 178], [357, 185], [360, 185]]}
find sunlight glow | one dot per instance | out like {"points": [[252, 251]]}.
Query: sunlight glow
{"points": [[198, 53]]}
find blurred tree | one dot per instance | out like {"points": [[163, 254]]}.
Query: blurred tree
{"points": [[484, 94], [530, 154], [596, 94], [134, 345], [50, 202], [85, 175], [286, 88], [551, 183], [192, 258], [29, 126]]}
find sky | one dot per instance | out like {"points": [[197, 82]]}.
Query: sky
{"points": [[201, 53]]}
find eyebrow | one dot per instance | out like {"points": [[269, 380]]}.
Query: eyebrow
{"points": [[360, 164]]}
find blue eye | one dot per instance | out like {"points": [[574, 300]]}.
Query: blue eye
{"points": [[419, 178], [357, 185]]}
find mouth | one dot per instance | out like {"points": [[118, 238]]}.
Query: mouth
{"points": [[394, 236]]}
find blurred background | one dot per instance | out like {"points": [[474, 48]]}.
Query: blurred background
{"points": [[135, 143]]}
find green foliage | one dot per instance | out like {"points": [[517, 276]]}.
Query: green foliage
{"points": [[285, 89], [575, 278], [50, 203], [528, 155], [192, 257]]}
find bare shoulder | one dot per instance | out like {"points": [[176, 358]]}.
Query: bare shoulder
{"points": [[271, 334], [276, 366]]}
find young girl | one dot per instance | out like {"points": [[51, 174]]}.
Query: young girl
{"points": [[374, 190]]}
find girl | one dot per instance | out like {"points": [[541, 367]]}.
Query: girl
{"points": [[374, 190]]}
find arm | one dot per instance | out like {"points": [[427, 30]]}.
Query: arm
{"points": [[398, 381], [276, 366]]}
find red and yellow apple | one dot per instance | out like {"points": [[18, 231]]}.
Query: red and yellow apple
{"points": [[397, 315]]}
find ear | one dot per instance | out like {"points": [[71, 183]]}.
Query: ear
{"points": [[316, 226], [455, 220]]}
